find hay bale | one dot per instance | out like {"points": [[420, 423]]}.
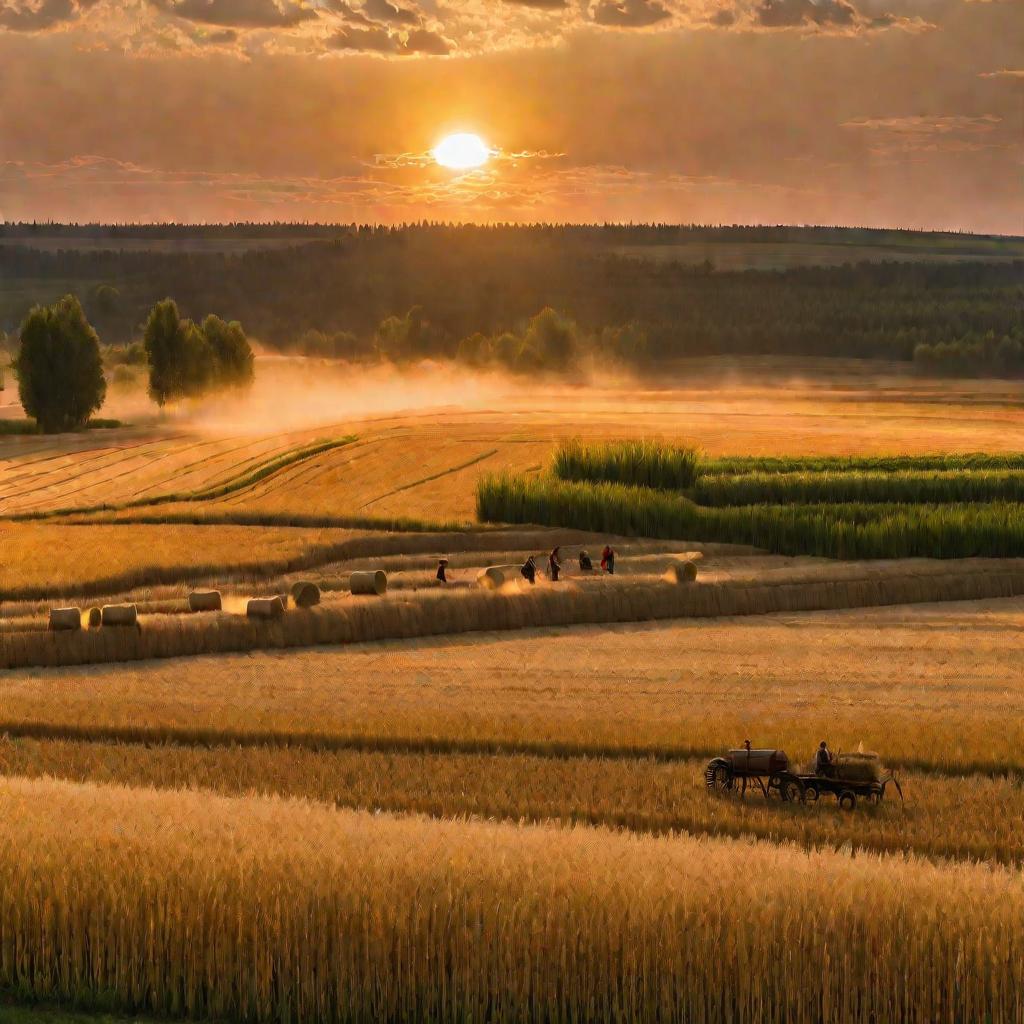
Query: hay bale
{"points": [[305, 594], [204, 601], [265, 607], [496, 576], [858, 767], [681, 572], [65, 618], [95, 617], [371, 582], [119, 615]]}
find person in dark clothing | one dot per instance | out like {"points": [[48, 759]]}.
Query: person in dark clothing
{"points": [[823, 760], [586, 565], [554, 565], [442, 570], [529, 570], [608, 560]]}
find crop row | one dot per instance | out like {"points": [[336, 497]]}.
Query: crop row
{"points": [[836, 487], [971, 817], [849, 530]]}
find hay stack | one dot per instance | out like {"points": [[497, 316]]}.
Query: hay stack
{"points": [[265, 607], [119, 615], [204, 601], [95, 617], [372, 582], [65, 618], [496, 576], [681, 572], [305, 594], [859, 767]]}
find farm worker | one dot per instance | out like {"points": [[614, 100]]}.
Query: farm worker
{"points": [[608, 559], [529, 570], [442, 565], [823, 759], [586, 565], [554, 565]]}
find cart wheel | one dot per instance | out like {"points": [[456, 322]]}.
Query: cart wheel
{"points": [[792, 791], [811, 793], [775, 782], [847, 800], [720, 778]]}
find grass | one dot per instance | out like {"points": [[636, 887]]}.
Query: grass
{"points": [[851, 530], [266, 909], [14, 428], [640, 463], [910, 487]]}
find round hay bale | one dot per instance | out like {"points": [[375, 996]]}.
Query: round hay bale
{"points": [[65, 618], [496, 576], [95, 617], [265, 607], [681, 572], [305, 594], [205, 601], [371, 582], [119, 615]]}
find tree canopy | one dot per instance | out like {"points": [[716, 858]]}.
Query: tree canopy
{"points": [[59, 368]]}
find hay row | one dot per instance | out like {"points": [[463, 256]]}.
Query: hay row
{"points": [[433, 613]]}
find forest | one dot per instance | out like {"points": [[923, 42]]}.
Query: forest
{"points": [[331, 296]]}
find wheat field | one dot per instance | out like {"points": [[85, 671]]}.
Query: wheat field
{"points": [[510, 823]]}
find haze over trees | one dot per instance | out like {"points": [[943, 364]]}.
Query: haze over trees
{"points": [[435, 290], [59, 369], [187, 360]]}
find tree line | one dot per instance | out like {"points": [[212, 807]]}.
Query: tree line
{"points": [[468, 282], [59, 363]]}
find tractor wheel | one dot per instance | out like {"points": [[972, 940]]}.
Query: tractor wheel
{"points": [[791, 791], [811, 793], [847, 800]]}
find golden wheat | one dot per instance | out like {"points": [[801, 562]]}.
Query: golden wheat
{"points": [[936, 687], [971, 817], [262, 909]]}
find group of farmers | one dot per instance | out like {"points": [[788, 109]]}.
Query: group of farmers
{"points": [[529, 567]]}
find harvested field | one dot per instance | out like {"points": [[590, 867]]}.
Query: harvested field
{"points": [[512, 606], [425, 464], [254, 875]]}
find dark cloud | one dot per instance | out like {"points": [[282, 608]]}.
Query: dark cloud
{"points": [[794, 13], [541, 5], [380, 40], [389, 13], [421, 40], [19, 16], [629, 13], [724, 18], [238, 13], [347, 11]]}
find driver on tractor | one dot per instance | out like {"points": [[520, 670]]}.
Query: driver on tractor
{"points": [[823, 760]]}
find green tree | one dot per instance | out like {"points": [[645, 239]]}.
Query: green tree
{"points": [[551, 339], [59, 368], [164, 341], [232, 354]]}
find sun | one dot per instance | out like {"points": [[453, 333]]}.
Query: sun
{"points": [[461, 151]]}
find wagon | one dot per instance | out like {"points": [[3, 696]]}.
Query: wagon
{"points": [[850, 779], [771, 770]]}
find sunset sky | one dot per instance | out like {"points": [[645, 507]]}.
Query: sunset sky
{"points": [[881, 112]]}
